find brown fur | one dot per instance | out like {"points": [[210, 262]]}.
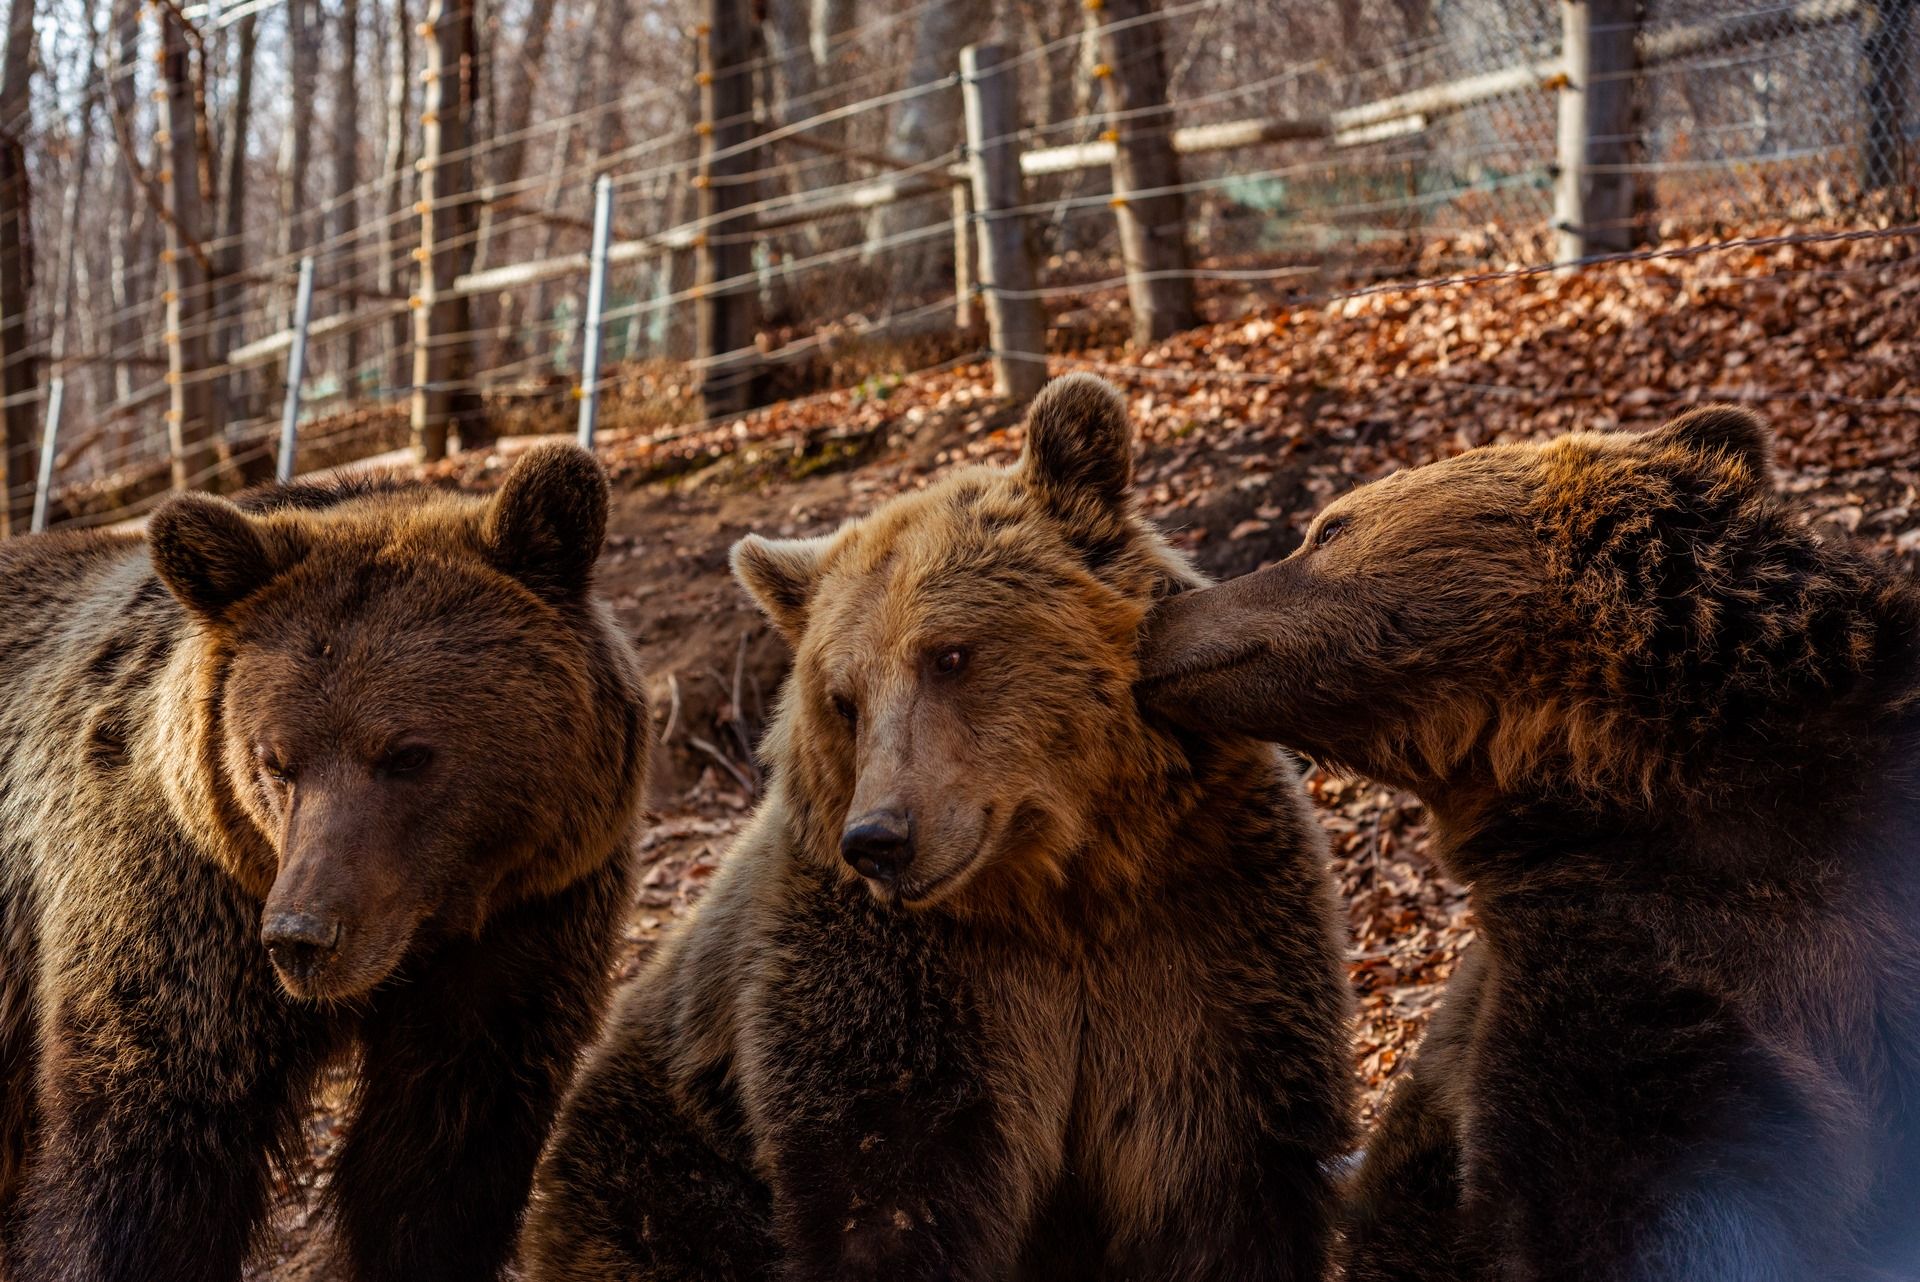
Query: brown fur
{"points": [[396, 714], [1094, 1028], [1671, 740]]}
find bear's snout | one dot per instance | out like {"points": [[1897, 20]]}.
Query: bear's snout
{"points": [[300, 944], [879, 845]]}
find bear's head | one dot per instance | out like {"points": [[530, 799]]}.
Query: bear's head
{"points": [[1613, 612], [959, 722], [408, 708]]}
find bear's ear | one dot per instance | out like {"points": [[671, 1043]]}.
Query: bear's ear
{"points": [[1079, 443], [1721, 429], [780, 575], [547, 523], [209, 553]]}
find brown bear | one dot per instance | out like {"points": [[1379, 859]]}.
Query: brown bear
{"points": [[343, 768], [1670, 739], [1001, 981]]}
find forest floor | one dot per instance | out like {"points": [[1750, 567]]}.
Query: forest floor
{"points": [[1247, 427]]}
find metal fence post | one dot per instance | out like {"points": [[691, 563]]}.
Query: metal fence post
{"points": [[49, 440], [1014, 321], [296, 371], [589, 389]]}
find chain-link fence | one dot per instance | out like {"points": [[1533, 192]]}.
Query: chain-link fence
{"points": [[1382, 140]]}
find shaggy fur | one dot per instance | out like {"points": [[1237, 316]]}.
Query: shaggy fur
{"points": [[1671, 740], [396, 715], [1095, 1028]]}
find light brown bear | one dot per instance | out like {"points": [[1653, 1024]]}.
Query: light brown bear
{"points": [[1671, 741], [1001, 981], [346, 766]]}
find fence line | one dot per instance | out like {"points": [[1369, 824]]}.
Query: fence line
{"points": [[1381, 166]]}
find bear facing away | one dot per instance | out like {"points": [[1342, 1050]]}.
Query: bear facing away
{"points": [[1671, 741], [1000, 981], [350, 767]]}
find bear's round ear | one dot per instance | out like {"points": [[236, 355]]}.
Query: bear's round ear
{"points": [[1721, 429], [209, 553], [548, 521], [780, 575], [1079, 443]]}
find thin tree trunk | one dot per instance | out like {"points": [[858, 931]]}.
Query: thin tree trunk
{"points": [[612, 61], [346, 165], [398, 172], [530, 68], [296, 142], [233, 213], [444, 396], [123, 223], [17, 372], [194, 433]]}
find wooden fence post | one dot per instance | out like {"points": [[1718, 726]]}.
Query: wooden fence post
{"points": [[1594, 205], [963, 274], [443, 390], [725, 315], [1151, 211], [1014, 321], [1890, 50]]}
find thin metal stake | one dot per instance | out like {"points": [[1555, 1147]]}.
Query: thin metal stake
{"points": [[49, 438], [589, 390], [296, 373]]}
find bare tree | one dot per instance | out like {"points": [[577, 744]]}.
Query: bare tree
{"points": [[444, 395], [346, 160], [396, 171], [231, 260], [297, 231], [926, 127], [193, 432], [17, 374], [124, 222]]}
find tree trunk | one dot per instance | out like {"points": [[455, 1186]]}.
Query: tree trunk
{"points": [[122, 225], [346, 170], [530, 68], [233, 204], [297, 230], [1146, 173], [724, 312], [17, 366], [924, 128], [391, 274], [192, 430], [444, 397]]}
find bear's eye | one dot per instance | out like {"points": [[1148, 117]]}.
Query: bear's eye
{"points": [[950, 661], [408, 760], [274, 767], [844, 708], [1330, 530]]}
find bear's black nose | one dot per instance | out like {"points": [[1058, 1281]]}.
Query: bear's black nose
{"points": [[878, 845], [300, 943]]}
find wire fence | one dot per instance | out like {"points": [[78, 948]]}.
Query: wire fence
{"points": [[1358, 165]]}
